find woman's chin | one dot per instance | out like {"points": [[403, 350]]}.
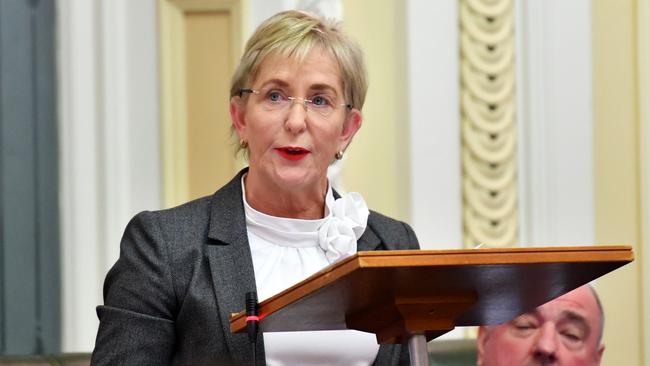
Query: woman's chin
{"points": [[298, 178]]}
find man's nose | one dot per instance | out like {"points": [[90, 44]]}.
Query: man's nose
{"points": [[545, 348]]}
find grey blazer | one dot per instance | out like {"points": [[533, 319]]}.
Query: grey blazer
{"points": [[183, 271]]}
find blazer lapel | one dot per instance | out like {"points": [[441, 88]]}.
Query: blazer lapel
{"points": [[231, 264]]}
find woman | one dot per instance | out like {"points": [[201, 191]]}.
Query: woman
{"points": [[296, 101]]}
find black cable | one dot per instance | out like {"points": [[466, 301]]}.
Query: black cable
{"points": [[254, 353]]}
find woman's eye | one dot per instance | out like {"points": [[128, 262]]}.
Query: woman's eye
{"points": [[320, 101], [274, 96]]}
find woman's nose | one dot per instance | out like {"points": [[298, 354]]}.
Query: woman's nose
{"points": [[545, 347], [296, 118]]}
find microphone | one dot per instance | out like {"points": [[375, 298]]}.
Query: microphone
{"points": [[252, 320]]}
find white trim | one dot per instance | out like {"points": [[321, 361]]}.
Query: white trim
{"points": [[130, 128], [643, 43], [80, 239], [433, 94], [260, 10], [434, 115], [109, 145], [555, 122], [113, 117]]}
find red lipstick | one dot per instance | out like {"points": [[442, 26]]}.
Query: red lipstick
{"points": [[292, 153]]}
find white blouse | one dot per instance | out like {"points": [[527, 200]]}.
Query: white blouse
{"points": [[286, 251]]}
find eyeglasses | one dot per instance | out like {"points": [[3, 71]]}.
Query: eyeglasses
{"points": [[277, 100]]}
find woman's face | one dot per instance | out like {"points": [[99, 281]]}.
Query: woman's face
{"points": [[290, 143]]}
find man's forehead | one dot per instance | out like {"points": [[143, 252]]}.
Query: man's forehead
{"points": [[580, 301]]}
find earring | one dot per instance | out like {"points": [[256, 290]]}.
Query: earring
{"points": [[243, 143], [339, 155]]}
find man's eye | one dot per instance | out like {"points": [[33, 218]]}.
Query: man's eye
{"points": [[320, 101], [572, 340], [524, 322], [571, 336], [523, 326]]}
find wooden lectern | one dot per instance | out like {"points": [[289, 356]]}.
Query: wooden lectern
{"points": [[417, 295]]}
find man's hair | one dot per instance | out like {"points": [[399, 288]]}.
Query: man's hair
{"points": [[601, 318], [602, 313]]}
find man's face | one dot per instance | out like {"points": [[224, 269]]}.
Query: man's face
{"points": [[564, 331]]}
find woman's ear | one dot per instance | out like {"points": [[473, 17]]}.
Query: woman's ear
{"points": [[351, 125], [237, 116]]}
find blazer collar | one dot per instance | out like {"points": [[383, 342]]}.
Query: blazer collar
{"points": [[231, 264], [227, 218]]}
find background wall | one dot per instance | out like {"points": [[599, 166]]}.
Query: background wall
{"points": [[581, 111], [30, 287], [618, 171], [377, 159], [109, 143]]}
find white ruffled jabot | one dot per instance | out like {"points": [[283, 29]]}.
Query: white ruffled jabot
{"points": [[336, 234], [345, 224]]}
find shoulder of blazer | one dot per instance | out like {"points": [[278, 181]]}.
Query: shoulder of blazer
{"points": [[393, 233], [219, 216]]}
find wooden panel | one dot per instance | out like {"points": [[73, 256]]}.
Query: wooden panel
{"points": [[375, 162], [469, 287], [208, 70], [200, 43]]}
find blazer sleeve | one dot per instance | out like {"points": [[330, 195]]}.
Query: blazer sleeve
{"points": [[136, 321]]}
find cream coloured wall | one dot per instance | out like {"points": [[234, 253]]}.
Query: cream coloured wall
{"points": [[617, 187], [378, 159], [643, 61]]}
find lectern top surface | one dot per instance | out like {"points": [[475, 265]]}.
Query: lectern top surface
{"points": [[494, 285]]}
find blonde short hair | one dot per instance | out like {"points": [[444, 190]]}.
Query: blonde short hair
{"points": [[295, 33]]}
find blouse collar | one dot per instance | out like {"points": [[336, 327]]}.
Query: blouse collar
{"points": [[336, 233]]}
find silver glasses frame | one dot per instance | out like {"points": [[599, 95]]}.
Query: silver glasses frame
{"points": [[304, 101]]}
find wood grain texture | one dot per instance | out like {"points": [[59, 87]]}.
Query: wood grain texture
{"points": [[396, 293]]}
